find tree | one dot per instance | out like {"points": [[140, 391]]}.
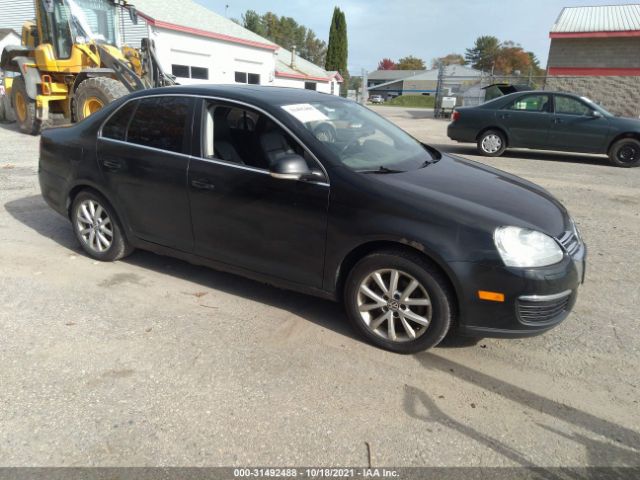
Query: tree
{"points": [[511, 59], [484, 53], [411, 63], [337, 50], [251, 20], [287, 33], [386, 64], [450, 59]]}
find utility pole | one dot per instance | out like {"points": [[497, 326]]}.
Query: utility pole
{"points": [[439, 88], [364, 93]]}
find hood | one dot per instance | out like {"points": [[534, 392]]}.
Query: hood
{"points": [[482, 195]]}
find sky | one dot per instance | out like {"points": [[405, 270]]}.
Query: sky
{"points": [[424, 28]]}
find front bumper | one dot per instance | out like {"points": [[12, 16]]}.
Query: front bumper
{"points": [[535, 299]]}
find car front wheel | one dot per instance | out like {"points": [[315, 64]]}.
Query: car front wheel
{"points": [[97, 228], [625, 153], [399, 301], [492, 143]]}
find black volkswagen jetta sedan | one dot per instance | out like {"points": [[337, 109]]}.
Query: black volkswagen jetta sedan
{"points": [[247, 179]]}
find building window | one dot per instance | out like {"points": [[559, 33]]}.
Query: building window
{"points": [[250, 78], [311, 85], [185, 71], [181, 71], [200, 73]]}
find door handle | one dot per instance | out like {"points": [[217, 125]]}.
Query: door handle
{"points": [[203, 184], [113, 163], [557, 121], [505, 115]]}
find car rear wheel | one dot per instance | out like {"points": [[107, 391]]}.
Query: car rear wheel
{"points": [[97, 228], [625, 153], [399, 301], [492, 143]]}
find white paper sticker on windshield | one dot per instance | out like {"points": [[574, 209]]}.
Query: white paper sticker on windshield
{"points": [[305, 112]]}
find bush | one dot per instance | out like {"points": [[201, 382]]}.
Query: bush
{"points": [[420, 101]]}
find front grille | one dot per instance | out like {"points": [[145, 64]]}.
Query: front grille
{"points": [[539, 310], [570, 242]]}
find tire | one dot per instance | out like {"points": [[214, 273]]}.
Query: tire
{"points": [[95, 93], [24, 108], [492, 143], [7, 115], [625, 153], [97, 227], [374, 322]]}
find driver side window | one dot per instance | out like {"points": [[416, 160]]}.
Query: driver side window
{"points": [[571, 106], [243, 136]]}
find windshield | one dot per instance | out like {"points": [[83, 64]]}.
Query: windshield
{"points": [[359, 138], [85, 20]]}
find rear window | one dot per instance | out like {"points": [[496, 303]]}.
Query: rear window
{"points": [[160, 122], [116, 127]]}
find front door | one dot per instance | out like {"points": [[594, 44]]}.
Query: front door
{"points": [[244, 217], [576, 128], [527, 120], [143, 156]]}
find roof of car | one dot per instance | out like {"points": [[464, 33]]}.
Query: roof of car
{"points": [[254, 94]]}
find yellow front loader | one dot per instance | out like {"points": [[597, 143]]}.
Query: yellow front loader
{"points": [[69, 64]]}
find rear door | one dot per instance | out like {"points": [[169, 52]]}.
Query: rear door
{"points": [[143, 152], [527, 120], [575, 127]]}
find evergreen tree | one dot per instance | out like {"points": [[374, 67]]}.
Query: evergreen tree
{"points": [[337, 51]]}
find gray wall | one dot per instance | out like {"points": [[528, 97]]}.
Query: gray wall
{"points": [[595, 52], [13, 13]]}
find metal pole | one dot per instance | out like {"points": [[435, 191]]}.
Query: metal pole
{"points": [[364, 92]]}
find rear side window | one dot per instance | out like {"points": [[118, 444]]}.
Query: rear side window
{"points": [[160, 122], [116, 127], [531, 103]]}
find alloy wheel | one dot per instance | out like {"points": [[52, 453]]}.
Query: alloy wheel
{"points": [[94, 226], [394, 305], [491, 143]]}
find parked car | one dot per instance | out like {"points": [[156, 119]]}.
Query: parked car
{"points": [[548, 121], [415, 243], [376, 99]]}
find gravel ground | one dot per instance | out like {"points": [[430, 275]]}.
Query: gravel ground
{"points": [[152, 361]]}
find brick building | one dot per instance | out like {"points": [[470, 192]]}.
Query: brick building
{"points": [[595, 51]]}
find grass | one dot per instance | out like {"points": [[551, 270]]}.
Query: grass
{"points": [[417, 101]]}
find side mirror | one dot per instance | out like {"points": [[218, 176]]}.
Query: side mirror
{"points": [[596, 114], [290, 167]]}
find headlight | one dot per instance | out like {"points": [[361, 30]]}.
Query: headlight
{"points": [[521, 247]]}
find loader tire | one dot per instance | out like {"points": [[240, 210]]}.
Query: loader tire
{"points": [[24, 108], [95, 93]]}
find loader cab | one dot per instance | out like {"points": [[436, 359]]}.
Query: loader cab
{"points": [[63, 23]]}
